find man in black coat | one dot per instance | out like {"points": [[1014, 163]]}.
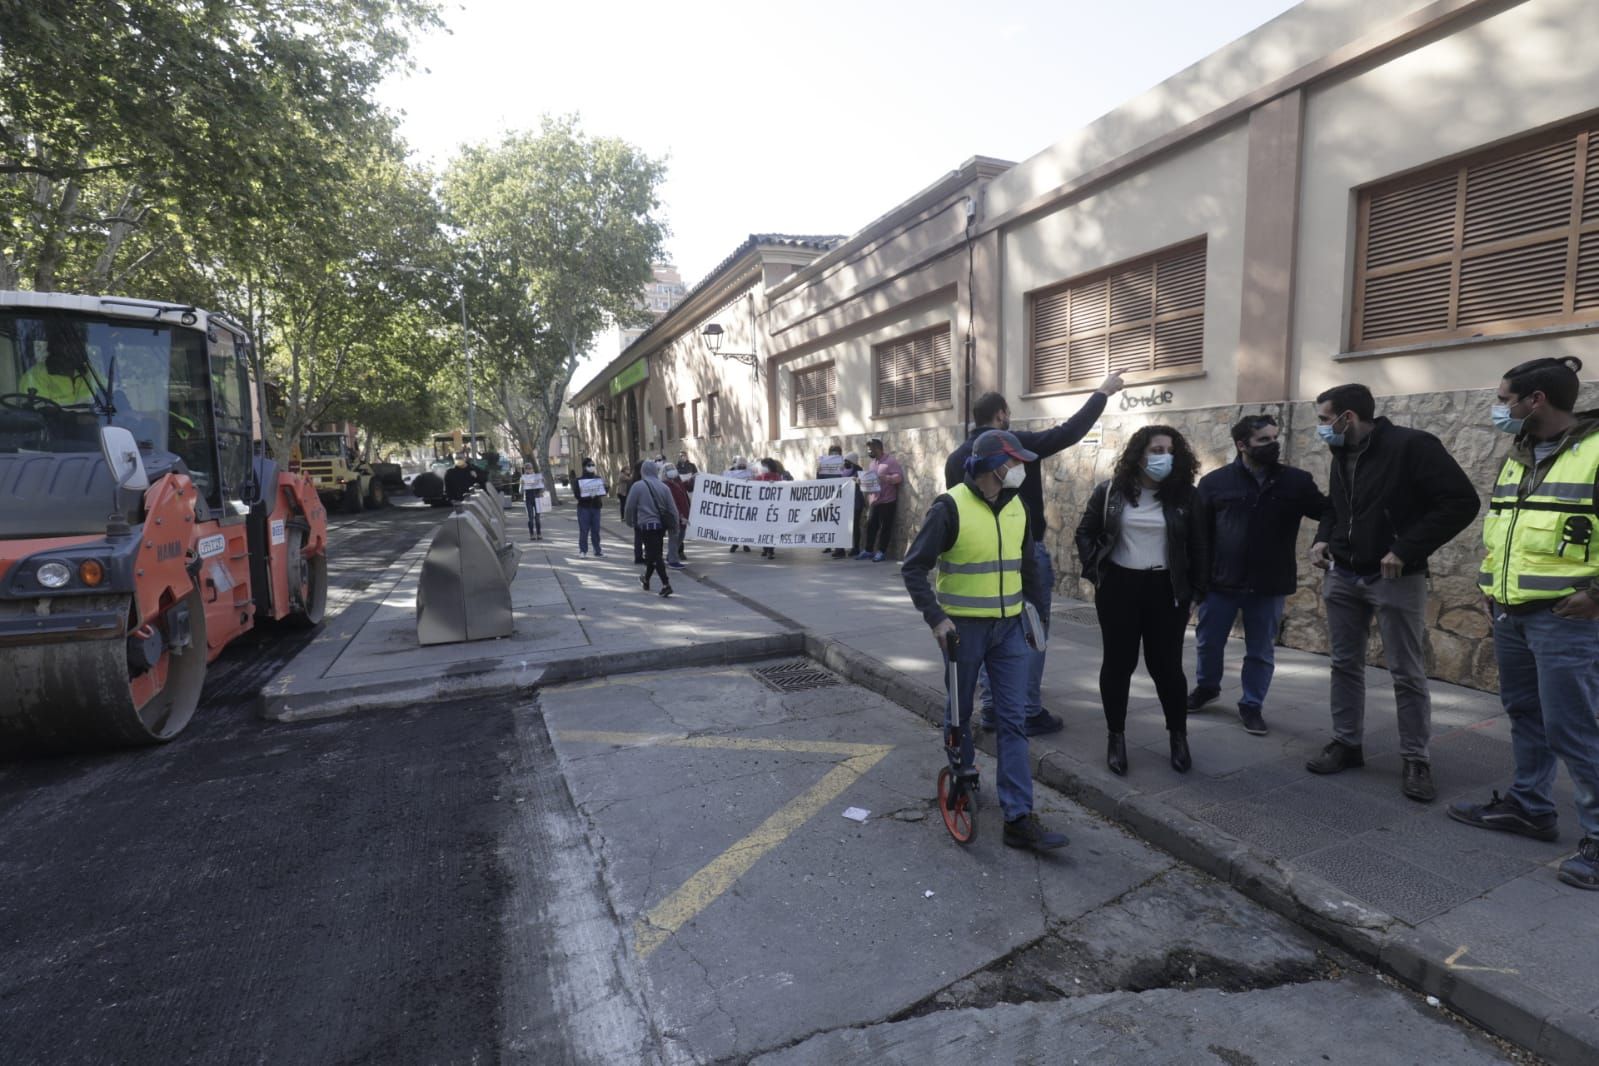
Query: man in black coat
{"points": [[1397, 497], [992, 412], [1252, 507]]}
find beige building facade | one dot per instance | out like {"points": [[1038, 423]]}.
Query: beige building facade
{"points": [[1400, 193]]}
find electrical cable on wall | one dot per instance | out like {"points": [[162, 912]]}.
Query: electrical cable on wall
{"points": [[971, 311]]}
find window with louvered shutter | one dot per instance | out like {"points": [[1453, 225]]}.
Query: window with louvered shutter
{"points": [[914, 373], [1144, 315], [1502, 241], [815, 396]]}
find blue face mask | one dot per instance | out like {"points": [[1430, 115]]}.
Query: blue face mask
{"points": [[1502, 420], [1158, 466], [1329, 435]]}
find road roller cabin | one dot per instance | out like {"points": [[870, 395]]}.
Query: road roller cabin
{"points": [[141, 528]]}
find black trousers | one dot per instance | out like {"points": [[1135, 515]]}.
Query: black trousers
{"points": [[880, 526], [654, 560], [1135, 607], [859, 527]]}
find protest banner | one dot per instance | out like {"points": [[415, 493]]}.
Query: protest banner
{"points": [[830, 466], [869, 482], [772, 514], [590, 486]]}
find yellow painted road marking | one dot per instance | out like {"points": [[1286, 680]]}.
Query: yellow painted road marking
{"points": [[718, 875], [677, 740], [1453, 964]]}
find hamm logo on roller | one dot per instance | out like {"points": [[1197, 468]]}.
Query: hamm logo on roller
{"points": [[212, 545]]}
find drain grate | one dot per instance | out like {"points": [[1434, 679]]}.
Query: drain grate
{"points": [[798, 676], [1081, 616]]}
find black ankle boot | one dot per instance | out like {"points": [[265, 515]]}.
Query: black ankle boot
{"points": [[1181, 760], [1116, 754]]}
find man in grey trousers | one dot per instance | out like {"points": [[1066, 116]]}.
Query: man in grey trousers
{"points": [[1397, 497]]}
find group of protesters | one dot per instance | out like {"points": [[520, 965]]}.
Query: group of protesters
{"points": [[1157, 541]]}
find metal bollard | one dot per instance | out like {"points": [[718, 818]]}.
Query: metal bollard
{"points": [[465, 589]]}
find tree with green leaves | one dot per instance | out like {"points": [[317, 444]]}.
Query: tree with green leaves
{"points": [[563, 228], [130, 126]]}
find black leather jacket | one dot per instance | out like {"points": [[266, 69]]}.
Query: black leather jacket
{"points": [[1187, 540]]}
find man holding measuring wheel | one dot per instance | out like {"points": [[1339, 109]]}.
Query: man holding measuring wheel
{"points": [[977, 537]]}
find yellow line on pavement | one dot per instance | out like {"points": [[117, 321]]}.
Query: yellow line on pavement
{"points": [[717, 876], [823, 747]]}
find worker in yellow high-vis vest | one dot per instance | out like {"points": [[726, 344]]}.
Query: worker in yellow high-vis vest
{"points": [[976, 536], [1540, 580], [60, 377]]}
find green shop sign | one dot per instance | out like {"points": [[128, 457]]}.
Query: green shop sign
{"points": [[626, 379]]}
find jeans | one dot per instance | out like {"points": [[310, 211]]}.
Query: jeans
{"points": [[1136, 607], [880, 526], [650, 539], [1399, 604], [1035, 666], [1549, 685], [998, 645], [588, 525], [1262, 614], [674, 543], [534, 526]]}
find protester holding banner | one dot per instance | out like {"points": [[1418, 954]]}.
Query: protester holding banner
{"points": [[769, 470], [533, 497], [651, 513], [590, 498], [739, 469], [881, 482], [852, 470], [686, 470], [674, 485]]}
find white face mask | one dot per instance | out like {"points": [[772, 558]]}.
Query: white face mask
{"points": [[1015, 476], [1158, 466]]}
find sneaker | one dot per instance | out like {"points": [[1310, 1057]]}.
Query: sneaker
{"points": [[1254, 721], [1582, 869], [666, 590], [1028, 832], [1042, 724], [585, 555], [598, 554], [839, 553], [1335, 757], [676, 566], [734, 550], [1506, 815], [746, 547], [1418, 781], [1201, 696], [863, 557], [877, 558]]}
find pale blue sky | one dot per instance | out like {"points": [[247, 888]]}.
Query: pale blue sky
{"points": [[809, 117]]}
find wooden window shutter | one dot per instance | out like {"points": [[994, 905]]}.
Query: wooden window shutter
{"points": [[816, 396], [1498, 242], [1146, 315], [915, 372]]}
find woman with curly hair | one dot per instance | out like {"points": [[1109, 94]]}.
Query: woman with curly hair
{"points": [[1148, 559]]}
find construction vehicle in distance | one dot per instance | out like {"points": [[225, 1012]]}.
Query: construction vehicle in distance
{"points": [[142, 528], [341, 479]]}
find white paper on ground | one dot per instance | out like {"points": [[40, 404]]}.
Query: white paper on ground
{"points": [[856, 814]]}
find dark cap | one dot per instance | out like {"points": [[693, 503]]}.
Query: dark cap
{"points": [[993, 446], [875, 440]]}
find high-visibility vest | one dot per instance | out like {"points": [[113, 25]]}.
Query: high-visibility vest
{"points": [[1541, 545], [981, 574], [56, 388]]}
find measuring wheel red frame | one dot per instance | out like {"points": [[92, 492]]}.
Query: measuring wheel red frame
{"points": [[957, 788]]}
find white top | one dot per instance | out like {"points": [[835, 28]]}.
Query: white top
{"points": [[1142, 544]]}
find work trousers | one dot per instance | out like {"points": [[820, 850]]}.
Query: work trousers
{"points": [[588, 526], [652, 536], [880, 526], [1399, 605], [1035, 666], [1262, 615], [1549, 685], [997, 645], [1136, 607]]}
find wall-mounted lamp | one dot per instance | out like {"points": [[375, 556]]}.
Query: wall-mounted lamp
{"points": [[713, 333]]}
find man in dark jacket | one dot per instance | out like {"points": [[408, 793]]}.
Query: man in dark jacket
{"points": [[977, 537], [1253, 508], [459, 480], [992, 412], [1397, 497]]}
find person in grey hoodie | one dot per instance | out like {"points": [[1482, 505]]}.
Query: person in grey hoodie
{"points": [[650, 511]]}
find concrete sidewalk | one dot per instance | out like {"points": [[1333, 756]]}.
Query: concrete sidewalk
{"points": [[1475, 918]]}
